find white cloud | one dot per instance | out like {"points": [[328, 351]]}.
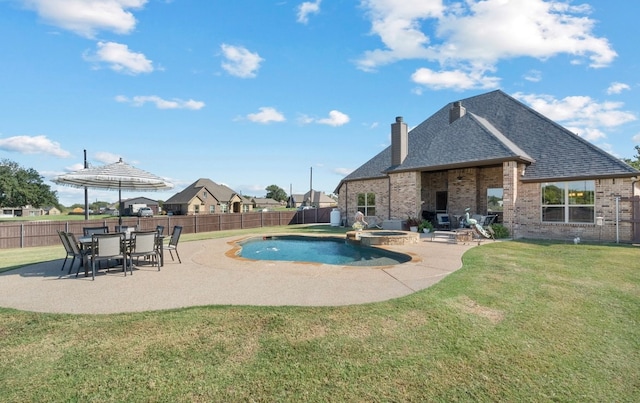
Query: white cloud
{"points": [[617, 88], [468, 41], [306, 8], [240, 62], [161, 103], [266, 115], [33, 145], [343, 171], [454, 79], [86, 17], [580, 114], [120, 58], [533, 76], [336, 118], [106, 157], [636, 138]]}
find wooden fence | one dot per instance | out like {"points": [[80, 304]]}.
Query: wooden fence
{"points": [[26, 234]]}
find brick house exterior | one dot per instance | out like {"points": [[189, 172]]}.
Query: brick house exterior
{"points": [[204, 196], [494, 155]]}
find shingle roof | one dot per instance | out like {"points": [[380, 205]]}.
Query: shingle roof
{"points": [[222, 193], [497, 128]]}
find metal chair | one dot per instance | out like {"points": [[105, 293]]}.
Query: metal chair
{"points": [[108, 247], [144, 244], [78, 252], [160, 229], [88, 231], [173, 242], [67, 248]]}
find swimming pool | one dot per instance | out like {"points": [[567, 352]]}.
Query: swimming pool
{"points": [[328, 250]]}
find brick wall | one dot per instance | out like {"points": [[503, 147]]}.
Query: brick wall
{"points": [[407, 193]]}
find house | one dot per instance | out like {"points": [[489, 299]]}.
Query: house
{"points": [[494, 155], [129, 205], [51, 210], [265, 202], [311, 198], [204, 196]]}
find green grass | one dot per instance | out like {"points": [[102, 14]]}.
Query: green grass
{"points": [[521, 321]]}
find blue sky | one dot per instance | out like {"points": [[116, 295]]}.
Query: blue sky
{"points": [[251, 93]]}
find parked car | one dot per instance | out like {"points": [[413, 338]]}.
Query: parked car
{"points": [[145, 212]]}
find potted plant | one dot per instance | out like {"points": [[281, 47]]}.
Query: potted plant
{"points": [[425, 226], [413, 224]]}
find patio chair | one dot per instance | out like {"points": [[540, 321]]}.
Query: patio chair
{"points": [[88, 231], [144, 244], [173, 242], [77, 251], [126, 228], [443, 221], [160, 229], [108, 247], [67, 248]]}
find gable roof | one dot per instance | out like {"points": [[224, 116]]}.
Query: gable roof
{"points": [[221, 193], [494, 129]]}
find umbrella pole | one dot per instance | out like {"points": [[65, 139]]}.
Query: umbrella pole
{"points": [[120, 203]]}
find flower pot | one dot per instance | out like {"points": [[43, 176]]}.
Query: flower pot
{"points": [[426, 230], [413, 229]]}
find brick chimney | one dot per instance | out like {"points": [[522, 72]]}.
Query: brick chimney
{"points": [[399, 141], [456, 112]]}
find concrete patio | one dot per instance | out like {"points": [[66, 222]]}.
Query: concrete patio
{"points": [[211, 274]]}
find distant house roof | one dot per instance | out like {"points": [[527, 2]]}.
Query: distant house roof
{"points": [[496, 128], [265, 201], [222, 193]]}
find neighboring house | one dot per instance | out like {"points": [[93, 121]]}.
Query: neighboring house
{"points": [[204, 196], [128, 203], [265, 202], [51, 210], [494, 155], [311, 198]]}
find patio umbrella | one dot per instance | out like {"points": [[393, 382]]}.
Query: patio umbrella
{"points": [[117, 176]]}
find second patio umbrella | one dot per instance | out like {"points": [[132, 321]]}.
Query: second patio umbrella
{"points": [[117, 176]]}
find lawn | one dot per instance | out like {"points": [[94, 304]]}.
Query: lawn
{"points": [[521, 321]]}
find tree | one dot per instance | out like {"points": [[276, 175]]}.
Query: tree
{"points": [[21, 187], [634, 163], [276, 193]]}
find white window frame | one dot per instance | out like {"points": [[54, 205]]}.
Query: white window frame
{"points": [[367, 208], [569, 190]]}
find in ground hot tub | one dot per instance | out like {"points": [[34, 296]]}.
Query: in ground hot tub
{"points": [[372, 238]]}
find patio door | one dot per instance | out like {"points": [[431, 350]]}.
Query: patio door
{"points": [[441, 201]]}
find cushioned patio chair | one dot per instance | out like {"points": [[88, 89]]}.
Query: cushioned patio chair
{"points": [[443, 221]]}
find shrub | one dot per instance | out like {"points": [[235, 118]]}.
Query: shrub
{"points": [[500, 231]]}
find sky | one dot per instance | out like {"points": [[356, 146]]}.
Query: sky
{"points": [[298, 94]]}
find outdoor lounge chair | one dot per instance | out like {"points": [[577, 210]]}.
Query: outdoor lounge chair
{"points": [[172, 246]]}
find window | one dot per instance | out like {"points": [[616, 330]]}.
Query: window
{"points": [[494, 200], [224, 208], [204, 194], [568, 202], [367, 203], [212, 209]]}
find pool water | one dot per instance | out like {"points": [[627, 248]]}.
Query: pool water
{"points": [[328, 250]]}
